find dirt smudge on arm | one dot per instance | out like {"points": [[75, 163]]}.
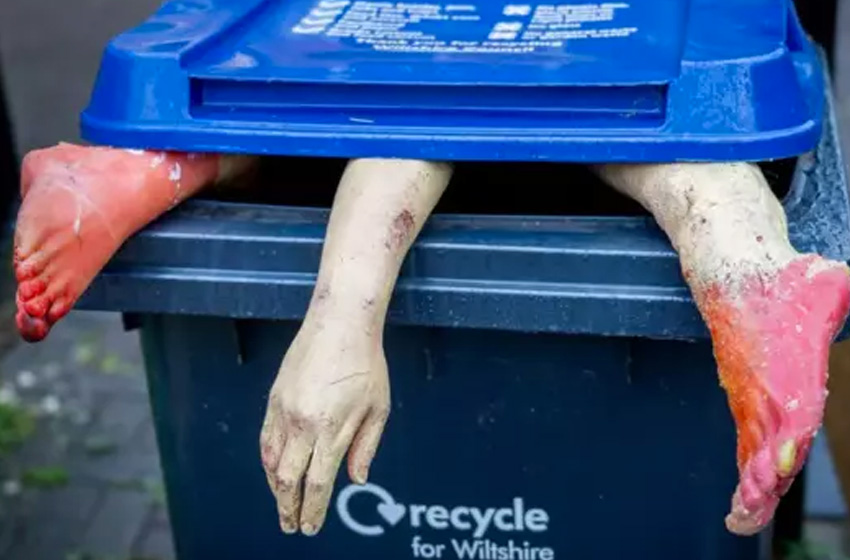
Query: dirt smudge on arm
{"points": [[401, 230]]}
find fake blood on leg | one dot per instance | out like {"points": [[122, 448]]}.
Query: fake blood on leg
{"points": [[80, 204], [771, 337]]}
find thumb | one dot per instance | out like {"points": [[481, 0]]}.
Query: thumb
{"points": [[365, 444]]}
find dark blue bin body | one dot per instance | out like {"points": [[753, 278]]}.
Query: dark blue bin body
{"points": [[626, 444], [554, 365]]}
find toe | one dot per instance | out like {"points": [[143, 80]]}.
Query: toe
{"points": [[29, 289], [28, 268], [32, 329], [762, 473], [59, 308], [37, 306], [751, 496], [742, 525], [744, 521]]}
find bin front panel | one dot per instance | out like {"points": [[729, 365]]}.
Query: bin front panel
{"points": [[499, 443]]}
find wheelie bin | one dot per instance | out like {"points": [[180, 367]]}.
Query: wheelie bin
{"points": [[554, 391], [9, 174]]}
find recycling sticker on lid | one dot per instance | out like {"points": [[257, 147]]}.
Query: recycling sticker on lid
{"points": [[462, 28]]}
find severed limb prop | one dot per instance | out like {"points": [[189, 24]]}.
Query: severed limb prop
{"points": [[772, 313], [80, 204], [332, 392]]}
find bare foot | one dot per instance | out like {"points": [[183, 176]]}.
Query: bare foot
{"points": [[772, 313], [79, 206], [771, 340]]}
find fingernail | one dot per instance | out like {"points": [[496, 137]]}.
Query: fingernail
{"points": [[309, 529], [288, 526], [787, 457], [361, 476]]}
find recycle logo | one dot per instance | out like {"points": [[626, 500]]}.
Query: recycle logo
{"points": [[391, 511], [478, 521]]}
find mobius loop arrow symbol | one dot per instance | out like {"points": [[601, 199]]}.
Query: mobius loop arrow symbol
{"points": [[391, 511]]}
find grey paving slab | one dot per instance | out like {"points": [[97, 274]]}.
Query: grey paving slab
{"points": [[113, 491], [155, 542], [50, 522], [117, 524], [45, 541], [76, 504]]}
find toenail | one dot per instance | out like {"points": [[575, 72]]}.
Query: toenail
{"points": [[787, 458]]}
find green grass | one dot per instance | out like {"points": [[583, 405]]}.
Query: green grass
{"points": [[808, 550], [153, 487], [85, 353], [98, 446], [16, 426], [45, 477]]}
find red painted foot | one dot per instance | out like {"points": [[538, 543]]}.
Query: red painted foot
{"points": [[771, 339], [79, 206]]}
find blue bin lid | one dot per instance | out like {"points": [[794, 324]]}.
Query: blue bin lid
{"points": [[646, 80]]}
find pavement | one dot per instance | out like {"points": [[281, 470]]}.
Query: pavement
{"points": [[86, 483]]}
